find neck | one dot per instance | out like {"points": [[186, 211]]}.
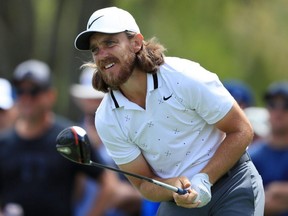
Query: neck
{"points": [[135, 88], [33, 128]]}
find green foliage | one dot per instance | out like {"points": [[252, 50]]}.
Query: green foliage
{"points": [[241, 39]]}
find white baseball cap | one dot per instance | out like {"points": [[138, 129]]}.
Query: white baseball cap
{"points": [[106, 20], [6, 99], [33, 70], [85, 88], [259, 118]]}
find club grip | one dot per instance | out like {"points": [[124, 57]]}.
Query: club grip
{"points": [[181, 191]]}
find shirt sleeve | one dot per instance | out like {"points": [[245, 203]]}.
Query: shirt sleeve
{"points": [[204, 92]]}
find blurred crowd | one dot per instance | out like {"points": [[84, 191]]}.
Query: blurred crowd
{"points": [[36, 180], [269, 150]]}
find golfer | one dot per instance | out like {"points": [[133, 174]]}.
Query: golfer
{"points": [[170, 119]]}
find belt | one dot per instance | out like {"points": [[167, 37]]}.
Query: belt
{"points": [[244, 158]]}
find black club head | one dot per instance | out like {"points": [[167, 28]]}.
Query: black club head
{"points": [[73, 144]]}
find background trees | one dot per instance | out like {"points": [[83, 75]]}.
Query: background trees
{"points": [[239, 39]]}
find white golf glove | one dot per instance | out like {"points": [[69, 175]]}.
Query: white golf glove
{"points": [[200, 183]]}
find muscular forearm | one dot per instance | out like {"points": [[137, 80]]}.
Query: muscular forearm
{"points": [[157, 193], [229, 152], [239, 135], [149, 190]]}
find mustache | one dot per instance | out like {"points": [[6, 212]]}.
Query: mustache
{"points": [[107, 60]]}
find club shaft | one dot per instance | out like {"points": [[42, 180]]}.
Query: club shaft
{"points": [[159, 183]]}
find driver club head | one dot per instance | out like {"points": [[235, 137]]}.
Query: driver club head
{"points": [[73, 144]]}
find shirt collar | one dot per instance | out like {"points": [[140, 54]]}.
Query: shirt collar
{"points": [[119, 100]]}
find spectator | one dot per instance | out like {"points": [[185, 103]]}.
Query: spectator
{"points": [[259, 118], [8, 111], [127, 200], [241, 92], [271, 156], [32, 173]]}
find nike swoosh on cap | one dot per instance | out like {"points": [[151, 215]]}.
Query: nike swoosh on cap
{"points": [[94, 21]]}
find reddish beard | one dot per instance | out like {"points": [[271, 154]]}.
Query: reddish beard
{"points": [[114, 80]]}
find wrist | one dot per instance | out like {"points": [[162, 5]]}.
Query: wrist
{"points": [[201, 184], [205, 177]]}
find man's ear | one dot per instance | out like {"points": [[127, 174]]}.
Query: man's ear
{"points": [[138, 42]]}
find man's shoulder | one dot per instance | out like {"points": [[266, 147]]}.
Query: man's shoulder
{"points": [[178, 64], [185, 69], [174, 59]]}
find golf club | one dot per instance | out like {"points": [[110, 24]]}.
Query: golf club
{"points": [[73, 144]]}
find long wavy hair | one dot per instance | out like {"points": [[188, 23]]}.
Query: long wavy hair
{"points": [[148, 59]]}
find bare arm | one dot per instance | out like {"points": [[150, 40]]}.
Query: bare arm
{"points": [[239, 135], [149, 190]]}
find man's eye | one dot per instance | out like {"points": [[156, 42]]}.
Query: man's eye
{"points": [[95, 50], [110, 43]]}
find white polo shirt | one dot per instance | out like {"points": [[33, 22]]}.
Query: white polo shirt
{"points": [[175, 132]]}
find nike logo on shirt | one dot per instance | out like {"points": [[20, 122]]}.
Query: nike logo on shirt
{"points": [[167, 98]]}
